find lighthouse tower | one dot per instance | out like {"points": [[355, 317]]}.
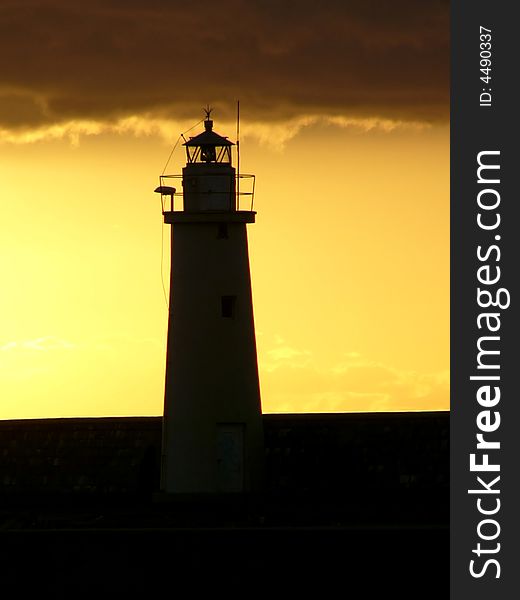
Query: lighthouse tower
{"points": [[212, 432]]}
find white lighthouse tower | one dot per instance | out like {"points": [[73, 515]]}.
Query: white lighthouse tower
{"points": [[212, 432]]}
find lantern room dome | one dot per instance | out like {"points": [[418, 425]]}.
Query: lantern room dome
{"points": [[208, 137]]}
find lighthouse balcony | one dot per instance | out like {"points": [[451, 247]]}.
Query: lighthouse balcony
{"points": [[207, 192]]}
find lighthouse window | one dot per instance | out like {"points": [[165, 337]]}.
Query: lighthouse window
{"points": [[228, 306], [222, 231]]}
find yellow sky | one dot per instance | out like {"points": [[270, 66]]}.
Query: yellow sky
{"points": [[349, 259]]}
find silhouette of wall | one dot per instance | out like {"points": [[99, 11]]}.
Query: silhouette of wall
{"points": [[350, 454], [352, 499]]}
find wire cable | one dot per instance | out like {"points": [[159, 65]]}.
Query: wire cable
{"points": [[177, 143], [162, 210], [162, 271]]}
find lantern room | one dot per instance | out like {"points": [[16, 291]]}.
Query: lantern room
{"points": [[208, 179], [208, 147]]}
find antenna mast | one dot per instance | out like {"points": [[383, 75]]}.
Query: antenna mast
{"points": [[238, 155]]}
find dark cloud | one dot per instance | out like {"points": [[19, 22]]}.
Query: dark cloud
{"points": [[106, 59]]}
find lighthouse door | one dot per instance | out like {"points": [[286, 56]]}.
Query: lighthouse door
{"points": [[230, 457]]}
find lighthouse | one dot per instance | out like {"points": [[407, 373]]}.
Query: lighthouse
{"points": [[212, 427]]}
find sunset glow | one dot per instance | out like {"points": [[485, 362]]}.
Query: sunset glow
{"points": [[349, 254]]}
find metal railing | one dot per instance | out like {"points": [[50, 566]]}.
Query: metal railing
{"points": [[244, 200]]}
